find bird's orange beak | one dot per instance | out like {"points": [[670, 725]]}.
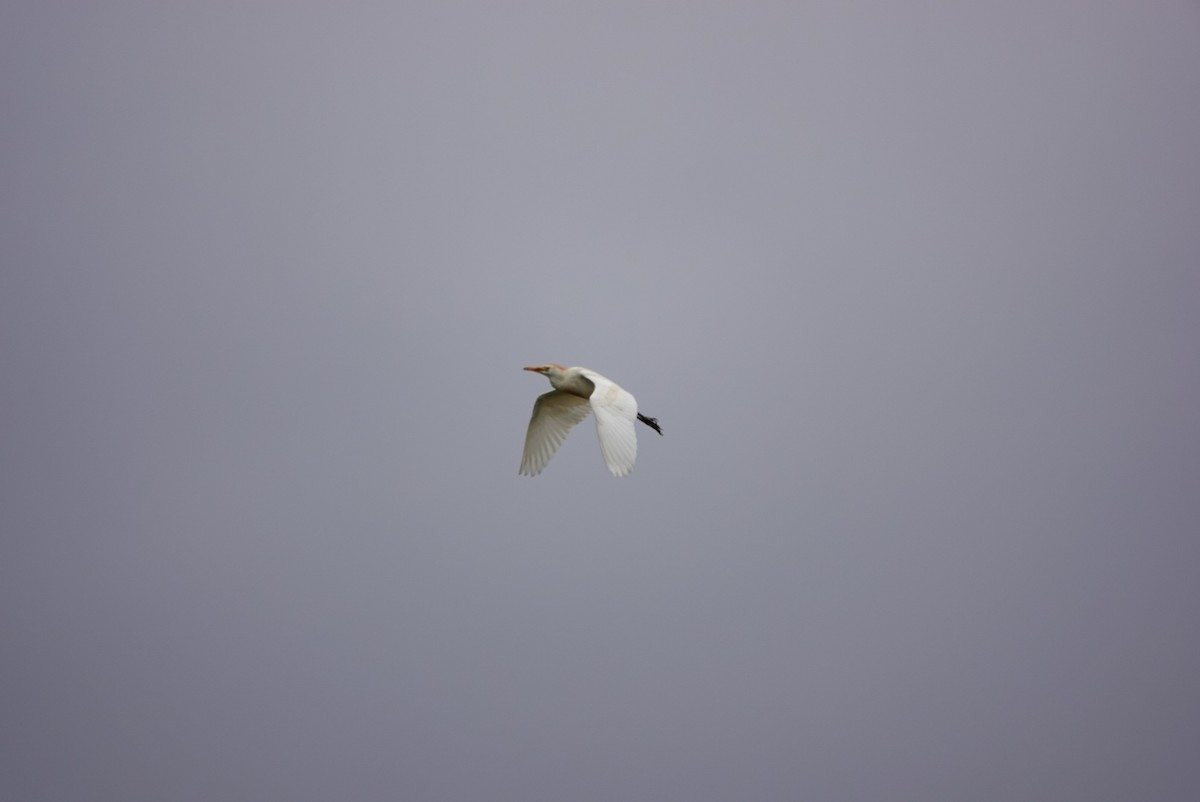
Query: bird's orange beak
{"points": [[538, 369]]}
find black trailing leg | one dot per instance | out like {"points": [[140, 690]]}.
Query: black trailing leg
{"points": [[651, 422]]}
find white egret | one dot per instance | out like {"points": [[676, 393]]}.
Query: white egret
{"points": [[578, 391]]}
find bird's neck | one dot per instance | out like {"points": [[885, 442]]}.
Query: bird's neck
{"points": [[572, 383]]}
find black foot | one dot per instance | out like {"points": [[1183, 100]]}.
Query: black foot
{"points": [[651, 422]]}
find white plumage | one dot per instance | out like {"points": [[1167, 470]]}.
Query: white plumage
{"points": [[578, 391]]}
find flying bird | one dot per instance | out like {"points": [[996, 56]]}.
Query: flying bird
{"points": [[578, 391]]}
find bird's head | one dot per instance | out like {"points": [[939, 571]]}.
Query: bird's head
{"points": [[549, 370]]}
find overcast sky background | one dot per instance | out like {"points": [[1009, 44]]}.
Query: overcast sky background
{"points": [[913, 288]]}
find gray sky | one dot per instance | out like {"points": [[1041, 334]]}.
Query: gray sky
{"points": [[913, 289]]}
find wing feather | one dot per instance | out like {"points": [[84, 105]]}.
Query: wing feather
{"points": [[555, 414], [616, 411]]}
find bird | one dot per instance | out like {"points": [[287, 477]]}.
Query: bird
{"points": [[578, 391]]}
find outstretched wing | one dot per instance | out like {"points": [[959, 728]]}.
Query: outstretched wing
{"points": [[616, 410], [554, 415]]}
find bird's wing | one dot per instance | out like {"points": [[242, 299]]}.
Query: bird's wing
{"points": [[554, 415], [616, 410]]}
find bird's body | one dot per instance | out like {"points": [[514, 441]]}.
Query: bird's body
{"points": [[578, 392]]}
